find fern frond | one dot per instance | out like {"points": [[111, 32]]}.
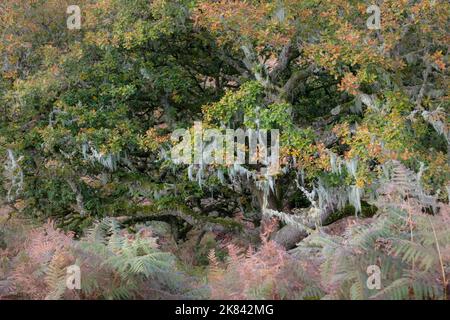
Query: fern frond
{"points": [[413, 252], [397, 290]]}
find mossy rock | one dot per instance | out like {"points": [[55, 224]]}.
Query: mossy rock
{"points": [[367, 211]]}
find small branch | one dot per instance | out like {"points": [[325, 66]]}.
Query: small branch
{"points": [[426, 74], [288, 53], [79, 198], [293, 82]]}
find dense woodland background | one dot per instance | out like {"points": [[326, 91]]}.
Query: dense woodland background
{"points": [[87, 178]]}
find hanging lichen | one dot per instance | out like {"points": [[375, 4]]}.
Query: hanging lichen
{"points": [[108, 160], [13, 176]]}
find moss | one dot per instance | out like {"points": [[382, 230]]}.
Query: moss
{"points": [[2, 240], [161, 209], [367, 211]]}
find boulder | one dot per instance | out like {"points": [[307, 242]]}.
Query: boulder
{"points": [[288, 236]]}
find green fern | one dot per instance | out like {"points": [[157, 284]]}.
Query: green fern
{"points": [[405, 241], [128, 261]]}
